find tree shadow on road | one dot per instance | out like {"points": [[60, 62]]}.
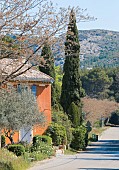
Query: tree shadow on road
{"points": [[108, 147]]}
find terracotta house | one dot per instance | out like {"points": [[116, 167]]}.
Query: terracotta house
{"points": [[40, 85]]}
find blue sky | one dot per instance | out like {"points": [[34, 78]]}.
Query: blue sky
{"points": [[106, 12]]}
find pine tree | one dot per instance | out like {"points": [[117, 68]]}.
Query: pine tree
{"points": [[48, 68], [71, 84]]}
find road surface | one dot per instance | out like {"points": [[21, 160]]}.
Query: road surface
{"points": [[101, 155]]}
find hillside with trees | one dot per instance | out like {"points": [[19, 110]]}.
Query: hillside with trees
{"points": [[98, 48], [101, 92]]}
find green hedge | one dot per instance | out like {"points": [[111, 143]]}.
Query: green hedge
{"points": [[38, 138], [57, 133], [42, 145], [17, 149], [43, 148], [80, 138], [61, 118]]}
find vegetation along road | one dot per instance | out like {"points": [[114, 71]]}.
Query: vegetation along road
{"points": [[101, 155]]}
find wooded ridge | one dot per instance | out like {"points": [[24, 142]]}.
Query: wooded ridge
{"points": [[98, 48]]}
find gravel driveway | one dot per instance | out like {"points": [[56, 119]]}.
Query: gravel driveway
{"points": [[101, 155]]}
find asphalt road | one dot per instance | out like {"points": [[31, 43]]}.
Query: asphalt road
{"points": [[101, 155]]}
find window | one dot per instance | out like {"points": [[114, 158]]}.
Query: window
{"points": [[34, 89], [21, 87]]}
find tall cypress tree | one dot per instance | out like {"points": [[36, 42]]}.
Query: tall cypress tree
{"points": [[48, 68], [71, 84]]}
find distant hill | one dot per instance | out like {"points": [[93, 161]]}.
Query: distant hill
{"points": [[98, 48]]}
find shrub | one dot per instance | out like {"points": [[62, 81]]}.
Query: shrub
{"points": [[57, 133], [62, 119], [89, 126], [97, 124], [26, 145], [43, 148], [42, 145], [17, 149], [114, 119], [80, 138], [74, 114], [9, 161], [38, 138], [2, 141]]}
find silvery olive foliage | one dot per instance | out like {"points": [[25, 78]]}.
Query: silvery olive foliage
{"points": [[19, 110]]}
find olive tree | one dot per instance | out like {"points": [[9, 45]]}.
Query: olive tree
{"points": [[18, 110]]}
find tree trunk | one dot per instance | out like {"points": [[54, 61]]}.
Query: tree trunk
{"points": [[0, 140], [11, 139]]}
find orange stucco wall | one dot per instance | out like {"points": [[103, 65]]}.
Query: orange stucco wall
{"points": [[43, 96], [15, 138], [44, 104]]}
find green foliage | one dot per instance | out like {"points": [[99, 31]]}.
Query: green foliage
{"points": [[42, 148], [18, 110], [17, 149], [71, 84], [38, 139], [11, 48], [58, 84], [62, 119], [88, 126], [114, 88], [96, 83], [94, 138], [35, 156], [48, 67], [59, 76], [7, 39], [104, 52], [9, 161], [80, 138], [74, 115], [101, 83], [97, 124], [57, 133], [2, 141], [114, 119]]}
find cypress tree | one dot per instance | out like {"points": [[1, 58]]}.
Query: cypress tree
{"points": [[48, 68], [71, 84]]}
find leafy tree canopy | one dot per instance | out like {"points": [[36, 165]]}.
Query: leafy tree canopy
{"points": [[96, 83]]}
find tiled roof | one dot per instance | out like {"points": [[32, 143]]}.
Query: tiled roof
{"points": [[7, 66]]}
